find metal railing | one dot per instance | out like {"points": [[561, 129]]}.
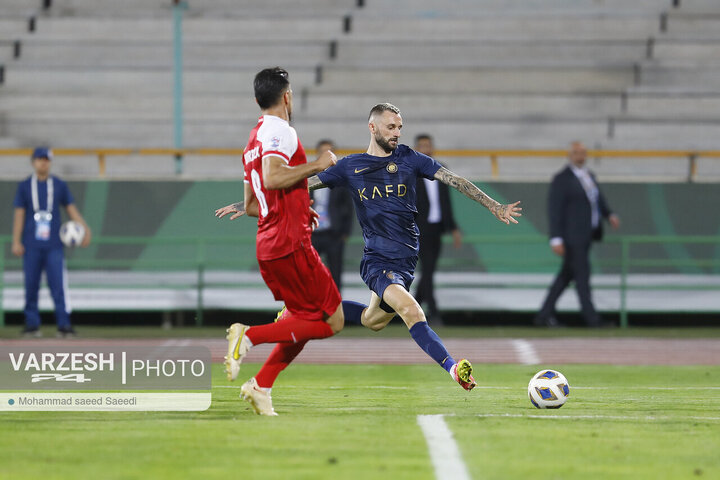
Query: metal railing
{"points": [[193, 256], [102, 154]]}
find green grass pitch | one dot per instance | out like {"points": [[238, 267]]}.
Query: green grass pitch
{"points": [[360, 422]]}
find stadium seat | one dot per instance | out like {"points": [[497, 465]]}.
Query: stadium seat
{"points": [[476, 74]]}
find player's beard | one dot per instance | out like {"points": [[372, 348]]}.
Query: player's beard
{"points": [[384, 143]]}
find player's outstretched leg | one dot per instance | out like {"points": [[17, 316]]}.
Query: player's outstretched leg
{"points": [[289, 330], [257, 390], [412, 314]]}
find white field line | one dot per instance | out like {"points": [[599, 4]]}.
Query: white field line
{"points": [[444, 451], [526, 352], [479, 387], [551, 416]]}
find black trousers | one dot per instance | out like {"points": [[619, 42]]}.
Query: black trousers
{"points": [[575, 266], [331, 246], [430, 246]]}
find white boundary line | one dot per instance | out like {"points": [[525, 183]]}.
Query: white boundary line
{"points": [[551, 416], [526, 352], [444, 451], [519, 388]]}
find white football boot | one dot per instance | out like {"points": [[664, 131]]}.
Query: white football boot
{"points": [[257, 397], [238, 346]]}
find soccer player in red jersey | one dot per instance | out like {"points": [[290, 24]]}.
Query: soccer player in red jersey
{"points": [[276, 192]]}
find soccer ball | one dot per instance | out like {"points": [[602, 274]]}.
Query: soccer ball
{"points": [[548, 389], [72, 233]]}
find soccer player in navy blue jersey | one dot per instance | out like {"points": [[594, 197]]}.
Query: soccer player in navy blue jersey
{"points": [[382, 184]]}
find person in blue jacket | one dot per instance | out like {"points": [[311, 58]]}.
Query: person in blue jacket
{"points": [[36, 238]]}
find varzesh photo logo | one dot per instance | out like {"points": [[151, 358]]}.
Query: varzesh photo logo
{"points": [[102, 378]]}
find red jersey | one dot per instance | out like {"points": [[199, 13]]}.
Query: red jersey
{"points": [[283, 221]]}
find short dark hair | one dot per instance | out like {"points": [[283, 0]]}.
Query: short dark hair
{"points": [[270, 84], [423, 136], [383, 107], [325, 141]]}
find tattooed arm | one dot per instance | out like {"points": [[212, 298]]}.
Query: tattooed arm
{"points": [[238, 209], [314, 183], [504, 213]]}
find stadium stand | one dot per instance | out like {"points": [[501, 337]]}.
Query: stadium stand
{"points": [[477, 74]]}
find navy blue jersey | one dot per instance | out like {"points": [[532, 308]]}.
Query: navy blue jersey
{"points": [[383, 191]]}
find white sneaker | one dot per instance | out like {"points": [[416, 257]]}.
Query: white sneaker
{"points": [[238, 346], [258, 398]]}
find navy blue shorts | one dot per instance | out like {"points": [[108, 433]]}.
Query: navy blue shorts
{"points": [[379, 273]]}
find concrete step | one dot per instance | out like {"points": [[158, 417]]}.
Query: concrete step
{"points": [[495, 27], [670, 134], [502, 105], [12, 28], [692, 53], [237, 8], [318, 105], [130, 54], [370, 53], [676, 105], [127, 105], [702, 7], [690, 78], [433, 8], [680, 24], [156, 29], [450, 134], [236, 81], [431, 80]]}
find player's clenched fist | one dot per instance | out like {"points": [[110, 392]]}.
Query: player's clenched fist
{"points": [[327, 159]]}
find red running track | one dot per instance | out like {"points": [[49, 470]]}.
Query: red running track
{"points": [[612, 351]]}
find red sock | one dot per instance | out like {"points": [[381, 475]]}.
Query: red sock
{"points": [[279, 359], [290, 330]]}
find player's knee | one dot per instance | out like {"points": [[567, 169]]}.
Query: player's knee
{"points": [[376, 321], [411, 314]]}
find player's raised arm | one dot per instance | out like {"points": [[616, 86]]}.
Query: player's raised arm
{"points": [[504, 213], [277, 174]]}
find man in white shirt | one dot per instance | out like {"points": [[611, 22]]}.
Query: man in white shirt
{"points": [[576, 209]]}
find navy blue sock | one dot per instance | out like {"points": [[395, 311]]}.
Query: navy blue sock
{"points": [[428, 340], [353, 312]]}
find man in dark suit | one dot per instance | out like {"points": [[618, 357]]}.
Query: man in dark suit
{"points": [[576, 209], [435, 217], [335, 216]]}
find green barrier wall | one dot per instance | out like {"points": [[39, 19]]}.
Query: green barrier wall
{"points": [[185, 209]]}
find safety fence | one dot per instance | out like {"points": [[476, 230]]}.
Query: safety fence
{"points": [[191, 263]]}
